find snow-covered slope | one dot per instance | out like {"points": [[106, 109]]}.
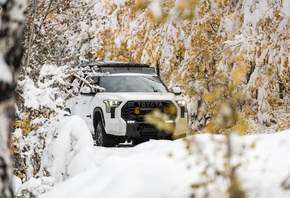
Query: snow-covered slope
{"points": [[162, 168]]}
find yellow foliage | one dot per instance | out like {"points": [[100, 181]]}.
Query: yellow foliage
{"points": [[15, 149], [186, 4], [242, 127], [51, 17], [212, 97], [20, 175], [235, 189], [24, 124], [237, 76], [158, 119], [141, 4]]}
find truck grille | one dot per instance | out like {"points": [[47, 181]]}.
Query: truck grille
{"points": [[145, 107]]}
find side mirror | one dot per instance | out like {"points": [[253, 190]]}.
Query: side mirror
{"points": [[100, 89], [85, 90], [176, 90]]}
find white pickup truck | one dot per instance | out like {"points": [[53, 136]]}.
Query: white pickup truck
{"points": [[115, 97]]}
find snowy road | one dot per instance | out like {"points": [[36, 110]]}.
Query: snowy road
{"points": [[163, 168]]}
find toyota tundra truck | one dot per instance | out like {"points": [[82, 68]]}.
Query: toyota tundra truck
{"points": [[115, 98]]}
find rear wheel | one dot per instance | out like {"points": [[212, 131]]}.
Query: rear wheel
{"points": [[102, 138]]}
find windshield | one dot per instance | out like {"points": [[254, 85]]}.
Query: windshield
{"points": [[132, 84]]}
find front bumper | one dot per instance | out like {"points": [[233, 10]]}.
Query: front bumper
{"points": [[146, 131]]}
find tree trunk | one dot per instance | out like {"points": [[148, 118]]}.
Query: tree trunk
{"points": [[12, 23]]}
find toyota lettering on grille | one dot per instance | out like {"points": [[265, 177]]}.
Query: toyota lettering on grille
{"points": [[150, 104]]}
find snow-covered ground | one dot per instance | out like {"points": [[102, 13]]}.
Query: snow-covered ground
{"points": [[161, 168]]}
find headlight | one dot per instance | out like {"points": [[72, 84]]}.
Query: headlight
{"points": [[180, 103], [182, 106], [110, 104]]}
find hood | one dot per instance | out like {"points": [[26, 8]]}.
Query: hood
{"points": [[129, 96]]}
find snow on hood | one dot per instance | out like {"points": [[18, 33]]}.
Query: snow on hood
{"points": [[127, 96]]}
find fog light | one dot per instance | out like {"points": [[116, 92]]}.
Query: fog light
{"points": [[169, 121], [131, 121], [137, 110]]}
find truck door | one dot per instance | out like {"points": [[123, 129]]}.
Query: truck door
{"points": [[86, 105], [88, 111]]}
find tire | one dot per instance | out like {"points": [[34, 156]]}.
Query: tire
{"points": [[102, 138]]}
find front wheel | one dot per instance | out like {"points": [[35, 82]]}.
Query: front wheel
{"points": [[102, 138]]}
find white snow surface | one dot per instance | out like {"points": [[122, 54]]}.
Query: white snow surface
{"points": [[160, 168]]}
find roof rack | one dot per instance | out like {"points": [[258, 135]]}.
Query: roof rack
{"points": [[118, 67]]}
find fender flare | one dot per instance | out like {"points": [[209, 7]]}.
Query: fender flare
{"points": [[98, 115]]}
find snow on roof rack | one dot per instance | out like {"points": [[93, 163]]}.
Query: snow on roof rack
{"points": [[119, 67]]}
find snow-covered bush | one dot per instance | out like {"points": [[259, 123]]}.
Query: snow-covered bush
{"points": [[64, 147], [38, 109], [72, 147]]}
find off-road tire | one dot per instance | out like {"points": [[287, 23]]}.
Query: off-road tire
{"points": [[102, 138]]}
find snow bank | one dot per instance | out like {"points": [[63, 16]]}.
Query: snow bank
{"points": [[168, 169], [143, 171], [36, 186], [71, 152]]}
